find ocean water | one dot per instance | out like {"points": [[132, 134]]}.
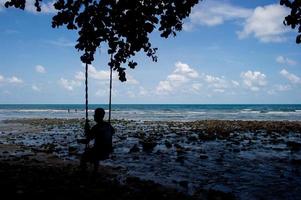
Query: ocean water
{"points": [[157, 112]]}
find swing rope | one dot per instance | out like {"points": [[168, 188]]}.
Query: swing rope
{"points": [[86, 90], [110, 96]]}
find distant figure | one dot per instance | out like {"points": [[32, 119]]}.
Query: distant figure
{"points": [[102, 134], [75, 110], [68, 110]]}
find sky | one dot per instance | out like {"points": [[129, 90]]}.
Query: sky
{"points": [[229, 52]]}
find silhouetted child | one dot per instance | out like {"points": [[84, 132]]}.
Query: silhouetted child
{"points": [[102, 134]]}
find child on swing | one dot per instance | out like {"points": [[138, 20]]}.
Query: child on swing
{"points": [[102, 134]]}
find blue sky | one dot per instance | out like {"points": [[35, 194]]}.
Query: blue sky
{"points": [[230, 51]]}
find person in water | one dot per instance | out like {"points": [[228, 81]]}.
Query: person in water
{"points": [[102, 134]]}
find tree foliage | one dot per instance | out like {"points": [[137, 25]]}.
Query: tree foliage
{"points": [[294, 18], [124, 25]]}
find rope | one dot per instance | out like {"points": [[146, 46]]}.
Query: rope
{"points": [[86, 91], [110, 98]]}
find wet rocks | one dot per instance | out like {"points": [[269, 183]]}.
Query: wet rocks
{"points": [[207, 136], [193, 138], [193, 149], [183, 184], [134, 149], [179, 149], [148, 144], [168, 144], [296, 161], [203, 156], [293, 146], [48, 147], [72, 150], [180, 158], [217, 194]]}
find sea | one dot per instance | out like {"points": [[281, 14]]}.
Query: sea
{"points": [[157, 112]]}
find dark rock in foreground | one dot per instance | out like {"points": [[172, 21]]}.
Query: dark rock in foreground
{"points": [[20, 180]]}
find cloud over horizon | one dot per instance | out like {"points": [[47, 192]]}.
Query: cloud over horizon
{"points": [[285, 60], [290, 76], [254, 80], [182, 74]]}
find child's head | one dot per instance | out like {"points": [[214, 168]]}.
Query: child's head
{"points": [[99, 114]]}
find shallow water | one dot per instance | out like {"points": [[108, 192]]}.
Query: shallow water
{"points": [[249, 164]]}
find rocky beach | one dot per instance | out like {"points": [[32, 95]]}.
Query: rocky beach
{"points": [[206, 159]]}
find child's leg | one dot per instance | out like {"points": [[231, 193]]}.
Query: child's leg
{"points": [[85, 158]]}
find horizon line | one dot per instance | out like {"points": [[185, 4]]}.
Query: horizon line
{"points": [[151, 104]]}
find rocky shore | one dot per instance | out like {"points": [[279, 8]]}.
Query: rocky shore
{"points": [[206, 159]]}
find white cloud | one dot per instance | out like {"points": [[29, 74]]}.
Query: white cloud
{"points": [[185, 70], [196, 87], [102, 93], [61, 42], [143, 91], [212, 13], [46, 8], [216, 82], [98, 75], [179, 78], [185, 79], [2, 2], [15, 80], [254, 80], [12, 80], [103, 75], [235, 83], [40, 69], [279, 88], [131, 94], [219, 90], [220, 83], [131, 80], [69, 84], [285, 61], [182, 74], [291, 77], [164, 87], [1, 78], [283, 87], [105, 92], [266, 24], [35, 88], [80, 76]]}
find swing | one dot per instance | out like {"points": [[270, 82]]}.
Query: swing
{"points": [[87, 103], [86, 91], [93, 154]]}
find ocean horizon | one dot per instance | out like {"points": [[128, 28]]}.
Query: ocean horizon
{"points": [[158, 112]]}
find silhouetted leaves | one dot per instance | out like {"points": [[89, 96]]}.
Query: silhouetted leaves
{"points": [[124, 25], [294, 18]]}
